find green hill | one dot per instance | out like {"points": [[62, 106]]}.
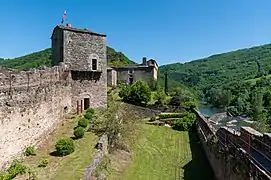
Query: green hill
{"points": [[43, 58], [221, 69]]}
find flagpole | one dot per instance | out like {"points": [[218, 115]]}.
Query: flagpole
{"points": [[64, 17]]}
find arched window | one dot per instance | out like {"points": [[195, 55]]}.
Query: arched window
{"points": [[93, 62]]}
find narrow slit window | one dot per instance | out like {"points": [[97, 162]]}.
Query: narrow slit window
{"points": [[94, 64]]}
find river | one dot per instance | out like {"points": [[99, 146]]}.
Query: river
{"points": [[209, 111]]}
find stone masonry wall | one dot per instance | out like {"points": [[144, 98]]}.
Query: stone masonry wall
{"points": [[226, 153], [31, 102], [139, 73], [79, 50]]}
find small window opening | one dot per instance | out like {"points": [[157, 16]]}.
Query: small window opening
{"points": [[94, 64], [86, 103], [65, 109], [131, 80]]}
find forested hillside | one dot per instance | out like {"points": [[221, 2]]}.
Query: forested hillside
{"points": [[221, 69], [238, 81], [43, 58]]}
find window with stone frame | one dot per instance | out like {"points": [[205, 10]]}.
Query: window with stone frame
{"points": [[94, 64]]}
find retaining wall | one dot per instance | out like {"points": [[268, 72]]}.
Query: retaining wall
{"points": [[228, 151]]}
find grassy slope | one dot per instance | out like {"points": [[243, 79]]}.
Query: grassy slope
{"points": [[70, 167], [161, 153]]}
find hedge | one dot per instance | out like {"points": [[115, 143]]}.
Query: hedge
{"points": [[172, 115]]}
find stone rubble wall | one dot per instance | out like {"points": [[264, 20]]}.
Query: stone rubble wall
{"points": [[225, 150], [31, 103], [89, 172]]}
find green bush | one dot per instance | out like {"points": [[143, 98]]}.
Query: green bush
{"points": [[90, 110], [83, 122], [65, 146], [43, 163], [190, 104], [185, 123], [171, 115], [153, 118], [79, 132], [16, 168], [160, 98], [88, 115], [30, 151], [138, 93]]}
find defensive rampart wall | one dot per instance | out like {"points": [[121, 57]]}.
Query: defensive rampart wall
{"points": [[235, 155], [31, 103]]}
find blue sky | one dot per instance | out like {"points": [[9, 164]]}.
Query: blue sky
{"points": [[167, 30]]}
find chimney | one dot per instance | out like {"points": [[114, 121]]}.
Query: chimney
{"points": [[144, 61]]}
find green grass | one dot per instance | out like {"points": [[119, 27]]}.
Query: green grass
{"points": [[161, 153], [70, 167]]}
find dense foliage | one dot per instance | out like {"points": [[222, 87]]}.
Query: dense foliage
{"points": [[238, 81], [88, 115], [117, 59], [79, 132], [33, 60], [184, 123], [171, 115], [30, 151], [244, 98], [138, 93], [83, 122], [219, 69], [65, 147], [43, 58], [16, 168]]}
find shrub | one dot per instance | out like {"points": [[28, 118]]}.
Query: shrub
{"points": [[185, 123], [160, 98], [153, 118], [30, 151], [190, 104], [88, 115], [43, 163], [90, 110], [79, 132], [171, 115], [15, 169], [175, 100], [65, 146], [138, 93], [83, 122]]}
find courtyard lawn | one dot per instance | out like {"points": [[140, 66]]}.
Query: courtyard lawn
{"points": [[161, 153], [70, 167]]}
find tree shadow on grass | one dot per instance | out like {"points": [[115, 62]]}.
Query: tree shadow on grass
{"points": [[199, 167], [55, 154]]}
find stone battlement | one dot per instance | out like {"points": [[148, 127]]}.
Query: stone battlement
{"points": [[32, 102]]}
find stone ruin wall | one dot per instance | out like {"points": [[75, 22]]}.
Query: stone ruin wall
{"points": [[227, 161], [31, 103]]}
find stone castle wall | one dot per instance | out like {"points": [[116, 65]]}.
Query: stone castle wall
{"points": [[228, 154], [80, 49], [31, 103]]}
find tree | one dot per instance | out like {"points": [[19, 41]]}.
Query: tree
{"points": [[257, 107], [139, 93]]}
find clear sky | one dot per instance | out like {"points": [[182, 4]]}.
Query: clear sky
{"points": [[167, 30]]}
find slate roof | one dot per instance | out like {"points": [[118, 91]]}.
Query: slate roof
{"points": [[67, 28]]}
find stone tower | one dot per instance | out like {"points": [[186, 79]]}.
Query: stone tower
{"points": [[83, 53]]}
